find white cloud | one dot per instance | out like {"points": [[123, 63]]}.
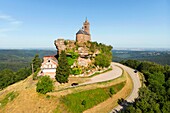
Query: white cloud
{"points": [[17, 22], [6, 17], [10, 24]]}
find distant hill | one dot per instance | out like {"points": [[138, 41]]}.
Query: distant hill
{"points": [[16, 59], [161, 57]]}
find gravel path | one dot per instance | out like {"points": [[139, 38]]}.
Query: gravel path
{"points": [[136, 86], [114, 73]]}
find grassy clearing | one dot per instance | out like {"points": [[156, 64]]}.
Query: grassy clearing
{"points": [[78, 102], [9, 97]]}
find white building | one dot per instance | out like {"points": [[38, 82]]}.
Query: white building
{"points": [[48, 67]]}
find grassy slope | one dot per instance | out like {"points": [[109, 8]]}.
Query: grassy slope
{"points": [[91, 97], [28, 100], [108, 105]]}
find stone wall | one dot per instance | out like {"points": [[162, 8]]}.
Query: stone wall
{"points": [[81, 38]]}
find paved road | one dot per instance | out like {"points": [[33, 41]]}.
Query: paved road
{"points": [[114, 73], [136, 86]]}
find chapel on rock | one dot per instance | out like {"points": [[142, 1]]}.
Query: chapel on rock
{"points": [[50, 63]]}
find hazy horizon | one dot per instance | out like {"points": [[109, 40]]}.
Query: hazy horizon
{"points": [[120, 48]]}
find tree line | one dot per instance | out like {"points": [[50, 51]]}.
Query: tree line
{"points": [[8, 77]]}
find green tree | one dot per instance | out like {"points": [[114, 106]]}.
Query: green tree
{"points": [[7, 77], [62, 71], [44, 85], [102, 60], [22, 73], [36, 62]]}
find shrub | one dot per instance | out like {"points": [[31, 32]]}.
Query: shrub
{"points": [[44, 85], [48, 96], [111, 90], [75, 71], [9, 97], [70, 61], [83, 102]]}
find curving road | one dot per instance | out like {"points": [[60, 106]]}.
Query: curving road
{"points": [[114, 73], [136, 86]]}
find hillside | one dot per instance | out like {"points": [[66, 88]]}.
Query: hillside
{"points": [[27, 100], [160, 57]]}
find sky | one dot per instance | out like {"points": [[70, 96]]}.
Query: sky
{"points": [[120, 23]]}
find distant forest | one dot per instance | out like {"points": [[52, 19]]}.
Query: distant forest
{"points": [[160, 57], [16, 59]]}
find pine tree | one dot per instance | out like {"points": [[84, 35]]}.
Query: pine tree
{"points": [[62, 71], [36, 62]]}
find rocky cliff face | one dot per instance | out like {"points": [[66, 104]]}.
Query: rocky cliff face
{"points": [[83, 49], [85, 55], [82, 56]]}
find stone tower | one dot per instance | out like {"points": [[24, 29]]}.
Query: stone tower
{"points": [[83, 35], [86, 26]]}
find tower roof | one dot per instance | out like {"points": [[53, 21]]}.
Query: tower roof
{"points": [[81, 31], [86, 21]]}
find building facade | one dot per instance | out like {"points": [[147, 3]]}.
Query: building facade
{"points": [[48, 67]]}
